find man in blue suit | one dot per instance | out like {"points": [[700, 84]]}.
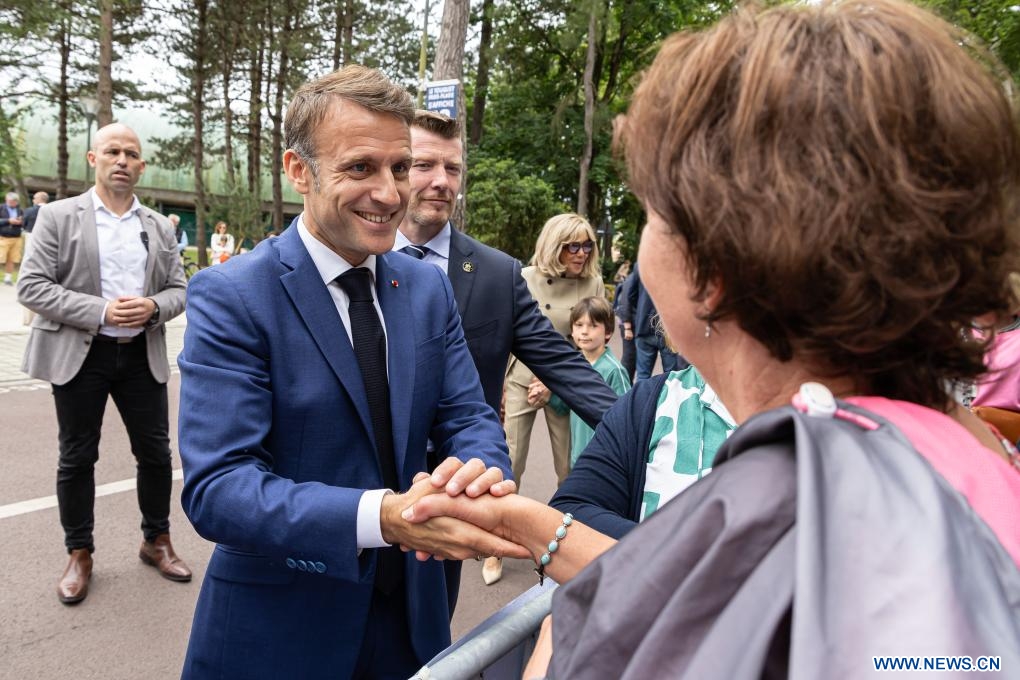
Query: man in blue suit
{"points": [[314, 371]]}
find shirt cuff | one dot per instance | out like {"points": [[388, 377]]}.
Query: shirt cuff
{"points": [[369, 526], [102, 318]]}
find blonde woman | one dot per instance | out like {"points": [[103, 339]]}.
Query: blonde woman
{"points": [[222, 244], [563, 271]]}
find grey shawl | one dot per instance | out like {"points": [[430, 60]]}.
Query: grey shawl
{"points": [[813, 547]]}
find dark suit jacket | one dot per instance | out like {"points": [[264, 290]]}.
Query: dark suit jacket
{"points": [[276, 474], [6, 228], [31, 213], [501, 317]]}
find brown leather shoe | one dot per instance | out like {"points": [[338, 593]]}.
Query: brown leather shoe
{"points": [[74, 584], [160, 554]]}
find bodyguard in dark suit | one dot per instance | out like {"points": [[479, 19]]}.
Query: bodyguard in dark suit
{"points": [[499, 314], [332, 362]]}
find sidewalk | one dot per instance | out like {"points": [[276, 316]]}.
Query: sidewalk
{"points": [[14, 337]]}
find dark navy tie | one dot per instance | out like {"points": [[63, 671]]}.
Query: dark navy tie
{"points": [[417, 252], [370, 349]]}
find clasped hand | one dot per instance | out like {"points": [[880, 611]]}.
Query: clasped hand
{"points": [[447, 537]]}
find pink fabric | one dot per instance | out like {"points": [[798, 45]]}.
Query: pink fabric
{"points": [[1000, 387], [987, 481]]}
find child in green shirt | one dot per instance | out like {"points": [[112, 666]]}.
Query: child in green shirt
{"points": [[592, 322]]}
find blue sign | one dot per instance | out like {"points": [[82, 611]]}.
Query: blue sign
{"points": [[441, 96]]}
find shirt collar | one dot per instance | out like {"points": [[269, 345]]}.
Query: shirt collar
{"points": [[440, 243], [329, 264], [97, 205]]}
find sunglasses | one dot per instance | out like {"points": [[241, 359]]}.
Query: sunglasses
{"points": [[575, 246]]}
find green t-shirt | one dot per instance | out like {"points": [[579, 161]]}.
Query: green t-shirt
{"points": [[615, 375]]}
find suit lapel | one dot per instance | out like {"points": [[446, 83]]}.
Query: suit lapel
{"points": [[314, 305], [86, 216], [150, 228], [400, 359], [461, 269]]}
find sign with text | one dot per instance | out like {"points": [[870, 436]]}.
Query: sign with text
{"points": [[441, 96]]}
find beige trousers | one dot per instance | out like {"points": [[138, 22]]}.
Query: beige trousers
{"points": [[520, 419]]}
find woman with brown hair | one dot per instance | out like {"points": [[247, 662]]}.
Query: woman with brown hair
{"points": [[831, 194]]}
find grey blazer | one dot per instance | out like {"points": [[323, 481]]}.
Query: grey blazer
{"points": [[60, 282]]}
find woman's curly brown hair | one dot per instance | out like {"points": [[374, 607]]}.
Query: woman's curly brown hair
{"points": [[848, 173]]}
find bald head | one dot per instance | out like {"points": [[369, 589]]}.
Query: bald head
{"points": [[116, 154], [114, 130]]}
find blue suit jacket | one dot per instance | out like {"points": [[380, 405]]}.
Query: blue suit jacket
{"points": [[275, 436], [500, 316]]}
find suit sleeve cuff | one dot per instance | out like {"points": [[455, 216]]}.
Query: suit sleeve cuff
{"points": [[369, 527]]}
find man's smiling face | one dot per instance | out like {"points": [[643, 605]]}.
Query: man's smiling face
{"points": [[356, 197]]}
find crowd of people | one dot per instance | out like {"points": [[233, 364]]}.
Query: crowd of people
{"points": [[831, 250]]}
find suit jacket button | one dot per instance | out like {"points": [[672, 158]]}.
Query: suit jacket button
{"points": [[320, 567], [291, 563], [302, 565], [549, 281], [548, 306]]}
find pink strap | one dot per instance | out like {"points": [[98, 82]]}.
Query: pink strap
{"points": [[989, 483]]}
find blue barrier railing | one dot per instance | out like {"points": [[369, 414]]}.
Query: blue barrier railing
{"points": [[497, 648]]}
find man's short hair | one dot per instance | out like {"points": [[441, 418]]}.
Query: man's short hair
{"points": [[40, 196], [12, 194], [437, 124], [597, 309], [366, 87]]}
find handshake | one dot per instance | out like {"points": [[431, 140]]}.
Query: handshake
{"points": [[462, 510]]}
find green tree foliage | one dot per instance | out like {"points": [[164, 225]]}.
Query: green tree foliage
{"points": [[995, 22], [509, 205]]}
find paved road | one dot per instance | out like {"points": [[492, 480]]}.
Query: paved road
{"points": [[134, 624]]}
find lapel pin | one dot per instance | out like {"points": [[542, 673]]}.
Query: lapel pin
{"points": [[393, 282], [468, 267]]}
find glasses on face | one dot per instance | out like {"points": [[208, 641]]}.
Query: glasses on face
{"points": [[575, 246]]}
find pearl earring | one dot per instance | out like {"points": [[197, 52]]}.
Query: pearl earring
{"points": [[708, 330]]}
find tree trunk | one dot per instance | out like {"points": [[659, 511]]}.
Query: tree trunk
{"points": [[104, 87], [281, 85], [482, 79], [338, 32], [450, 66], [589, 113], [348, 31], [255, 121], [64, 43], [227, 72], [197, 114]]}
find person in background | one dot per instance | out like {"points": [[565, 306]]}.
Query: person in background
{"points": [[180, 235], [496, 307], [621, 308], [222, 244], [591, 327], [640, 324], [39, 199], [564, 270], [858, 512], [11, 222], [102, 289]]}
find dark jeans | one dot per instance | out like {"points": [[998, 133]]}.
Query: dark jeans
{"points": [[120, 371], [649, 347]]}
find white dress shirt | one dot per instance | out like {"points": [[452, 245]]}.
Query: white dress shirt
{"points": [[439, 247], [330, 265], [122, 256]]}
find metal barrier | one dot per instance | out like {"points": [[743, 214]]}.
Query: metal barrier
{"points": [[497, 648]]}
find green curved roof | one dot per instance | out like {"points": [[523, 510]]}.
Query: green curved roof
{"points": [[36, 134]]}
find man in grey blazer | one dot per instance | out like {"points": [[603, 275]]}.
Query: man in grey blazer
{"points": [[103, 278], [498, 312]]}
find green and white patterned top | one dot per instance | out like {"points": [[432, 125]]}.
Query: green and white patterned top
{"points": [[691, 424]]}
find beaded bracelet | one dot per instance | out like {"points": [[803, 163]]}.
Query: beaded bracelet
{"points": [[554, 545]]}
